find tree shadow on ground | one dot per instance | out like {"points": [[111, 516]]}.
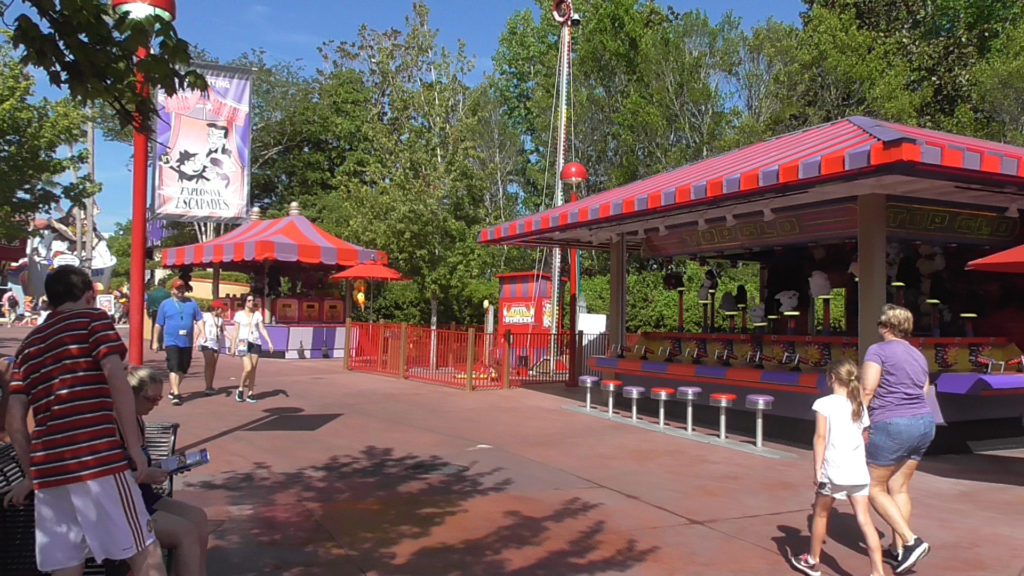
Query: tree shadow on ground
{"points": [[383, 513]]}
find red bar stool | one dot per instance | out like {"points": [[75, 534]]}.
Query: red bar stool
{"points": [[611, 386], [587, 382], [662, 394], [723, 400], [633, 392], [688, 393]]}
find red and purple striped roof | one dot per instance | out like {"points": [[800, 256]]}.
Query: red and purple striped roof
{"points": [[815, 155], [289, 239]]}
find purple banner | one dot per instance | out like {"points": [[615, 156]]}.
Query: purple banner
{"points": [[202, 151]]}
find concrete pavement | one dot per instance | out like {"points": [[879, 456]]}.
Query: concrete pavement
{"points": [[345, 473]]}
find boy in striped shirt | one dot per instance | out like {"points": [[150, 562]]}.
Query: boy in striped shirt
{"points": [[79, 457]]}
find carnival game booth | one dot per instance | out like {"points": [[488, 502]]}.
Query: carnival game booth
{"points": [[525, 311], [310, 323], [847, 215]]}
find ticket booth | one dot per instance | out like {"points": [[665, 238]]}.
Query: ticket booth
{"points": [[286, 310], [310, 311], [334, 311], [525, 309]]}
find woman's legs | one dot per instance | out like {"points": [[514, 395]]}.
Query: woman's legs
{"points": [[185, 529], [899, 488], [247, 372], [209, 366], [254, 360], [885, 504], [822, 508], [862, 511]]}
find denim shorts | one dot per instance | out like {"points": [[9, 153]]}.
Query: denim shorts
{"points": [[894, 441]]}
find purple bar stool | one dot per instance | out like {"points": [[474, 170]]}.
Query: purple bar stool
{"points": [[661, 394], [588, 382], [688, 393], [760, 403], [633, 392], [611, 386]]}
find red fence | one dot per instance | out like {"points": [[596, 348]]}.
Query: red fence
{"points": [[470, 359]]}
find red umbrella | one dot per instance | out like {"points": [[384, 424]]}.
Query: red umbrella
{"points": [[371, 271], [1011, 261]]}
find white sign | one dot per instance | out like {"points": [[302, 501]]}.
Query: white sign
{"points": [[65, 260]]}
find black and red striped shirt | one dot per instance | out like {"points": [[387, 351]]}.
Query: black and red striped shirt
{"points": [[58, 368]]}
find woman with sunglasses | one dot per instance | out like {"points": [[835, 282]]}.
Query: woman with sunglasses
{"points": [[181, 527], [246, 343]]}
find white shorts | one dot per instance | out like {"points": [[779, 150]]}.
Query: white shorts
{"points": [[104, 517], [841, 491]]}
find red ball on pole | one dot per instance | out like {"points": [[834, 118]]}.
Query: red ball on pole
{"points": [[573, 173]]}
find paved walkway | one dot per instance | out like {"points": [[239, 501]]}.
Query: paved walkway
{"points": [[336, 473]]}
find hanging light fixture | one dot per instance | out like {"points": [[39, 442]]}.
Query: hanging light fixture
{"points": [[574, 173]]}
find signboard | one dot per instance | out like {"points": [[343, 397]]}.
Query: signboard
{"points": [[13, 250], [202, 150], [105, 302], [518, 313]]}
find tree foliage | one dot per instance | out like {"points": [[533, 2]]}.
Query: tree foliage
{"points": [[34, 134]]}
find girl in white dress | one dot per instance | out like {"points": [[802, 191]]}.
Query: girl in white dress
{"points": [[210, 340], [840, 467], [246, 343]]}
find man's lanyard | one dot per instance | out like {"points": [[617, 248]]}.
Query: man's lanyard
{"points": [[181, 310]]}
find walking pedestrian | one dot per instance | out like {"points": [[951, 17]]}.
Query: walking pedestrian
{"points": [[246, 343], [210, 341], [840, 469], [84, 443], [895, 379], [177, 320]]}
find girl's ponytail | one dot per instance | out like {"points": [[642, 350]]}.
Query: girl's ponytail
{"points": [[845, 372]]}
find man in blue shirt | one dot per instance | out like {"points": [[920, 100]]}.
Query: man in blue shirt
{"points": [[177, 319]]}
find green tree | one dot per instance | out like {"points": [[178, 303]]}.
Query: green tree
{"points": [[35, 133], [87, 50]]}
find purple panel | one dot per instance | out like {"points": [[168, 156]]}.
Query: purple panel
{"points": [[972, 160], [190, 255], [699, 191], [616, 207], [520, 227], [876, 129], [574, 216], [732, 184], [286, 252], [229, 252], [207, 253], [968, 383], [1009, 166], [661, 367], [536, 223], [278, 336], [555, 220], [768, 176], [712, 371], [810, 167], [248, 251], [791, 378], [641, 203], [595, 212], [504, 230], [931, 154], [858, 158], [668, 197]]}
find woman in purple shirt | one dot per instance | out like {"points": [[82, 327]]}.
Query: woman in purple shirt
{"points": [[895, 379]]}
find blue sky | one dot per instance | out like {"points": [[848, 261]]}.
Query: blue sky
{"points": [[293, 30]]}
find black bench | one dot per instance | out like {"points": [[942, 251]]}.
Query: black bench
{"points": [[17, 525]]}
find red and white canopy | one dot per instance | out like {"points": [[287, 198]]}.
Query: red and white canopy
{"points": [[289, 239]]}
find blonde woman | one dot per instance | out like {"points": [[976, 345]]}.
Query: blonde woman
{"points": [[246, 343], [181, 527], [895, 380]]}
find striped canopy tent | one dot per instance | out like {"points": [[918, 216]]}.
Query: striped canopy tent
{"points": [[292, 239], [674, 212]]}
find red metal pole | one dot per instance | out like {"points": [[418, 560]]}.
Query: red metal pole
{"points": [[574, 273], [137, 276]]}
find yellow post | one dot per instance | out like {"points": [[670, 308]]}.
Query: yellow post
{"points": [[470, 361], [403, 363], [348, 343], [506, 366]]}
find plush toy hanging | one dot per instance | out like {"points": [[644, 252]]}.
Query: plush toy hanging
{"points": [[360, 293]]}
